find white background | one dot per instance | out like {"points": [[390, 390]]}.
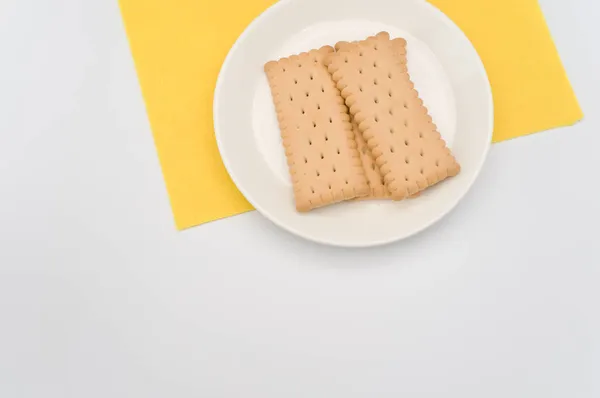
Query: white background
{"points": [[100, 297]]}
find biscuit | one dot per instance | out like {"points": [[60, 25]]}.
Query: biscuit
{"points": [[373, 79], [322, 156]]}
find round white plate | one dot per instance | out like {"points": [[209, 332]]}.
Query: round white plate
{"points": [[447, 73]]}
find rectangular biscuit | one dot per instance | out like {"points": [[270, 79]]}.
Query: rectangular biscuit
{"points": [[322, 156], [374, 82]]}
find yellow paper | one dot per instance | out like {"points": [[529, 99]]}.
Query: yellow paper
{"points": [[179, 45]]}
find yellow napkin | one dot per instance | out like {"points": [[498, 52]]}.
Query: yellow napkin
{"points": [[179, 45]]}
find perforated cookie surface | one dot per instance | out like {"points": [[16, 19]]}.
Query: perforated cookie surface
{"points": [[374, 81], [322, 155]]}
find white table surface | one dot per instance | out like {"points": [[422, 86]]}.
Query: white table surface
{"points": [[101, 297]]}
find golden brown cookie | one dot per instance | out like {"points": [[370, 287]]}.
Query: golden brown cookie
{"points": [[373, 79], [322, 156]]}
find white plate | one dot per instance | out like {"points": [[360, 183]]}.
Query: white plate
{"points": [[446, 71]]}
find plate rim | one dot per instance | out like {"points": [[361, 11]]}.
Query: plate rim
{"points": [[381, 242]]}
